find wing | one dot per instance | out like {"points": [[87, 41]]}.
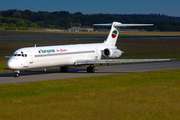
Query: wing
{"points": [[7, 56], [85, 62]]}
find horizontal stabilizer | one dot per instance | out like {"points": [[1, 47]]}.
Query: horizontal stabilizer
{"points": [[110, 24], [84, 62], [114, 32], [118, 24]]}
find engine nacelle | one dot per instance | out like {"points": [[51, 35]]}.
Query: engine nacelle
{"points": [[112, 53]]}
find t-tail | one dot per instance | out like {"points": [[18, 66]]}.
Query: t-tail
{"points": [[114, 32]]}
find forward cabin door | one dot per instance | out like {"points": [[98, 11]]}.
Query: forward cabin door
{"points": [[30, 57]]}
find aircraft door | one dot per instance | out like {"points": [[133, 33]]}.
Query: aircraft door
{"points": [[98, 54], [30, 57], [25, 59]]}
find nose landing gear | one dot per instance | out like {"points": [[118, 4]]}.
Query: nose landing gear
{"points": [[16, 73]]}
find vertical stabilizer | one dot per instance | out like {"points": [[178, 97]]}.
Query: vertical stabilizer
{"points": [[114, 32], [113, 35]]}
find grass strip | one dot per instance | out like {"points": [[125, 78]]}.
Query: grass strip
{"points": [[34, 33], [148, 95]]}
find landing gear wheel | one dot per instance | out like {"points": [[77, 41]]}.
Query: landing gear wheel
{"points": [[16, 74], [90, 69], [64, 69]]}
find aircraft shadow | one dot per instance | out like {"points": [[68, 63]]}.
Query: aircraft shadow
{"points": [[51, 71]]}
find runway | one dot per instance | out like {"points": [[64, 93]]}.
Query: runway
{"points": [[30, 76]]}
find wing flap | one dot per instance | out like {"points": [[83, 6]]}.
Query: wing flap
{"points": [[84, 62]]}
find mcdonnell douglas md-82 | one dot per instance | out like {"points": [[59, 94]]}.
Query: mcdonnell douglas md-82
{"points": [[72, 55]]}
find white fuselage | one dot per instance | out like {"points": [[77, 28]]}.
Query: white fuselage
{"points": [[51, 56]]}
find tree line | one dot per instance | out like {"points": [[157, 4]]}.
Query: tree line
{"points": [[63, 19]]}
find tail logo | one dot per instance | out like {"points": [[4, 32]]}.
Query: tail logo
{"points": [[114, 34]]}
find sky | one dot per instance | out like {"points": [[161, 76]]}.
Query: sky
{"points": [[167, 7]]}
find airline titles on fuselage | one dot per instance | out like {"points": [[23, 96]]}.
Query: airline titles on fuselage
{"points": [[52, 50]]}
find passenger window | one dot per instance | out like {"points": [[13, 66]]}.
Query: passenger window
{"points": [[25, 55]]}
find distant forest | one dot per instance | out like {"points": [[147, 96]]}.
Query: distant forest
{"points": [[12, 19]]}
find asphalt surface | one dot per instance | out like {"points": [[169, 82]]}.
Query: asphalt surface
{"points": [[30, 76], [72, 38]]}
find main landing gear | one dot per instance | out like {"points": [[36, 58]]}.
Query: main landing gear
{"points": [[90, 69], [64, 69]]}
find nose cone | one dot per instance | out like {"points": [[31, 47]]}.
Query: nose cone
{"points": [[12, 64]]}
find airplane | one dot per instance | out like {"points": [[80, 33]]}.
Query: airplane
{"points": [[72, 55]]}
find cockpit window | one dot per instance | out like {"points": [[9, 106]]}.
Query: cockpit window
{"points": [[22, 54]]}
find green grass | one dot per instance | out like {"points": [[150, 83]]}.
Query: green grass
{"points": [[148, 95], [31, 33], [40, 33]]}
